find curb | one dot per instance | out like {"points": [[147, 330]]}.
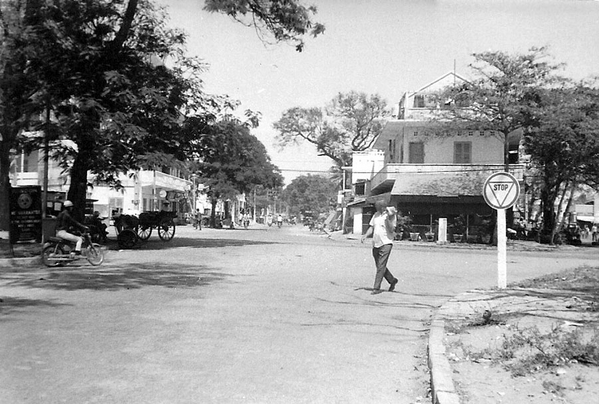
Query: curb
{"points": [[512, 245], [442, 386]]}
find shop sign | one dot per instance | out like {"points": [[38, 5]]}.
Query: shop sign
{"points": [[25, 214]]}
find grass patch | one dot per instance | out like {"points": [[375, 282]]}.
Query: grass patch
{"points": [[526, 351], [582, 279]]}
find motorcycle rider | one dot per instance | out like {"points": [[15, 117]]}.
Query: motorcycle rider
{"points": [[64, 223]]}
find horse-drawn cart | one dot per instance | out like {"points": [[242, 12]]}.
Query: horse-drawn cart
{"points": [[130, 228]]}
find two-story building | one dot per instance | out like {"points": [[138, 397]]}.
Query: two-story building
{"points": [[428, 172], [143, 190]]}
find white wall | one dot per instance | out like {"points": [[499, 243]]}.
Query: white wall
{"points": [[487, 149], [357, 221], [366, 164]]}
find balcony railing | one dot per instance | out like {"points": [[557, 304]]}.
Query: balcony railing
{"points": [[162, 180], [27, 178]]}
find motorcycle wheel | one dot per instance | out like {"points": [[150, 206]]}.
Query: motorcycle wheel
{"points": [[94, 254], [46, 252]]}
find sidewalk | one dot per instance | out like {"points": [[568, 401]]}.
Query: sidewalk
{"points": [[20, 255]]}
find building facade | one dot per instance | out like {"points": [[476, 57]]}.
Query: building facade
{"points": [[430, 173], [143, 190]]}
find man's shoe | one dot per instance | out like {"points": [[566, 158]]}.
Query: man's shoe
{"points": [[392, 285], [376, 292]]}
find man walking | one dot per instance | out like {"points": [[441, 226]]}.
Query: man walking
{"points": [[197, 222], [382, 229]]}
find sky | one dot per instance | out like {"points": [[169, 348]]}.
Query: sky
{"points": [[385, 47]]}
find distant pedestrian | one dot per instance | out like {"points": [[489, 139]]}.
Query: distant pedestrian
{"points": [[594, 232], [382, 228], [198, 220]]}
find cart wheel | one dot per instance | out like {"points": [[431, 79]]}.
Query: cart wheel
{"points": [[166, 230], [127, 238], [144, 232]]}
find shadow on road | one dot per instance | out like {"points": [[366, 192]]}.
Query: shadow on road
{"points": [[9, 305], [126, 276], [177, 242]]}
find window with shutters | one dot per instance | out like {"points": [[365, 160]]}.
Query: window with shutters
{"points": [[416, 153], [392, 154], [419, 101], [462, 152]]}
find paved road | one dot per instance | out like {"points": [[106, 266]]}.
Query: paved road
{"points": [[231, 316]]}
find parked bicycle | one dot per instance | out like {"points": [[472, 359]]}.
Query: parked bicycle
{"points": [[57, 251]]}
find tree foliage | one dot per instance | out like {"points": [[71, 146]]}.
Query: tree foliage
{"points": [[563, 144], [497, 99], [523, 92], [95, 71], [229, 159], [17, 43], [117, 102], [310, 193], [350, 122], [285, 20]]}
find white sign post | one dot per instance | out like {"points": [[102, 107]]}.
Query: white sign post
{"points": [[442, 237], [501, 191]]}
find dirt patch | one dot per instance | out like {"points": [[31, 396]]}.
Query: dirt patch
{"points": [[536, 342]]}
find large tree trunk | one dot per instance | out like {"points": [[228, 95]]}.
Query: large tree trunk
{"points": [[213, 202], [14, 96], [78, 188], [126, 24], [8, 134], [548, 203], [4, 186], [506, 152], [571, 190]]}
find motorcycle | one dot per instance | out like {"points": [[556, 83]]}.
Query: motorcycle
{"points": [[57, 251]]}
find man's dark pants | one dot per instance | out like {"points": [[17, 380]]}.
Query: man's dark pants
{"points": [[381, 256]]}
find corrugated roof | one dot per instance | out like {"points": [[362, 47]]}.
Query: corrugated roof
{"points": [[468, 183]]}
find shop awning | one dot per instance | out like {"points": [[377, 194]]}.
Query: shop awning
{"points": [[586, 218], [440, 184]]}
